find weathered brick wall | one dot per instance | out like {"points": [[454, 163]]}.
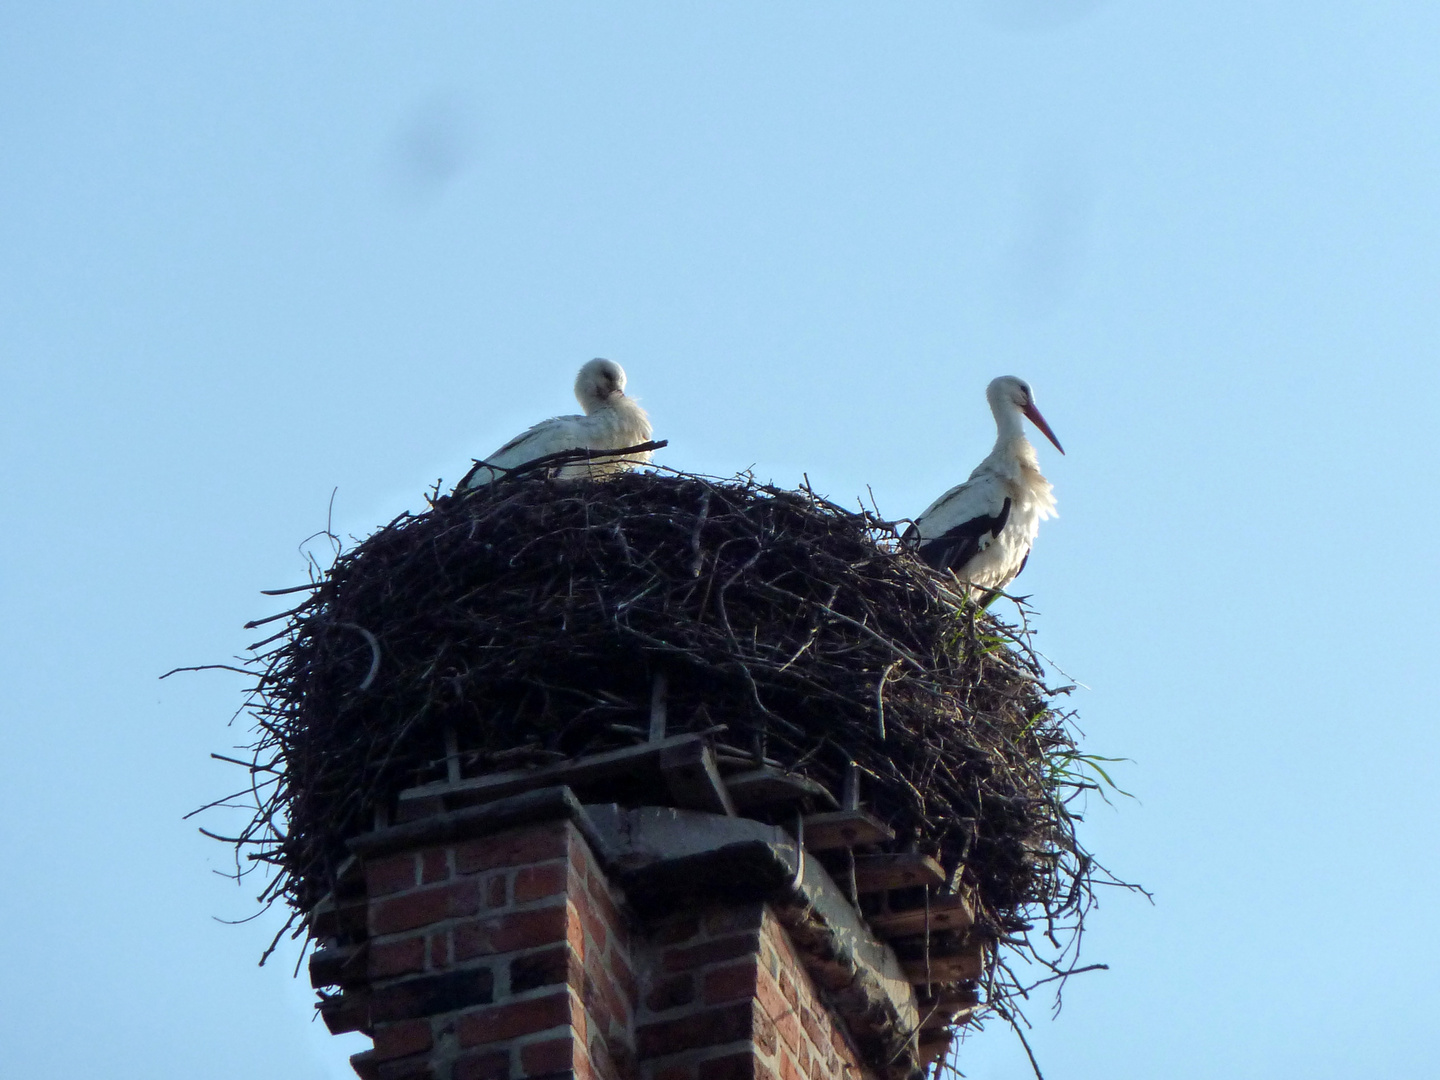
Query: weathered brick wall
{"points": [[726, 998], [498, 958], [512, 956]]}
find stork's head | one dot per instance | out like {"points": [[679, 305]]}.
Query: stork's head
{"points": [[598, 382], [1009, 392]]}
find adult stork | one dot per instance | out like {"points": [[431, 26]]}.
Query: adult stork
{"points": [[611, 421], [983, 529]]}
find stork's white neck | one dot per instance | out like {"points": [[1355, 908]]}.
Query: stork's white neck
{"points": [[624, 412], [1009, 424], [1012, 455], [592, 402]]}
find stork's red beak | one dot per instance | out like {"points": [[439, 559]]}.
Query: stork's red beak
{"points": [[1039, 421]]}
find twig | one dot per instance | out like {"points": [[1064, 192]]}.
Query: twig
{"points": [[374, 652], [293, 588], [1006, 1015], [880, 697], [208, 667]]}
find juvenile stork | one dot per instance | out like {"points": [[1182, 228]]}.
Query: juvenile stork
{"points": [[983, 529], [611, 421]]}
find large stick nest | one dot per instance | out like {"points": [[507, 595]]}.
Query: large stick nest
{"points": [[529, 617]]}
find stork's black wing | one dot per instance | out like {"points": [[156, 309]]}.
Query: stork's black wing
{"points": [[955, 547]]}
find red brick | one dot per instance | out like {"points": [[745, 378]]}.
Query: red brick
{"points": [[491, 1065], [600, 1059], [424, 906], [730, 1067], [615, 1003], [594, 1004], [843, 1049], [622, 1057], [411, 1068], [584, 1070], [365, 1065], [789, 1030], [346, 1012], [403, 957], [509, 932], [496, 892], [434, 866], [624, 976], [712, 1027], [767, 993], [765, 1036], [774, 933], [431, 995], [787, 987], [440, 949], [517, 1018], [731, 982], [811, 1023], [788, 1070], [402, 1038], [594, 925], [545, 968], [538, 882], [710, 952], [671, 993], [552, 1055], [574, 931], [515, 848], [769, 961], [579, 858], [604, 906], [390, 874], [674, 931], [734, 919], [612, 1017]]}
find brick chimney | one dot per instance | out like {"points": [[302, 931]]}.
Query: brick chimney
{"points": [[497, 936]]}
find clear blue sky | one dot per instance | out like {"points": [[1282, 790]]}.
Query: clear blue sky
{"points": [[249, 254]]}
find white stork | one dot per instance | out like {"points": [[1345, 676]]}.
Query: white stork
{"points": [[612, 421], [983, 529]]}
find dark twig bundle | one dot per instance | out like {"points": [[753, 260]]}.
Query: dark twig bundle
{"points": [[529, 617]]}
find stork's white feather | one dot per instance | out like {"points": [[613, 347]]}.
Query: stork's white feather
{"points": [[984, 528], [612, 421]]}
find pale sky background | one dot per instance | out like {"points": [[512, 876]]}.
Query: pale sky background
{"points": [[250, 254]]}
